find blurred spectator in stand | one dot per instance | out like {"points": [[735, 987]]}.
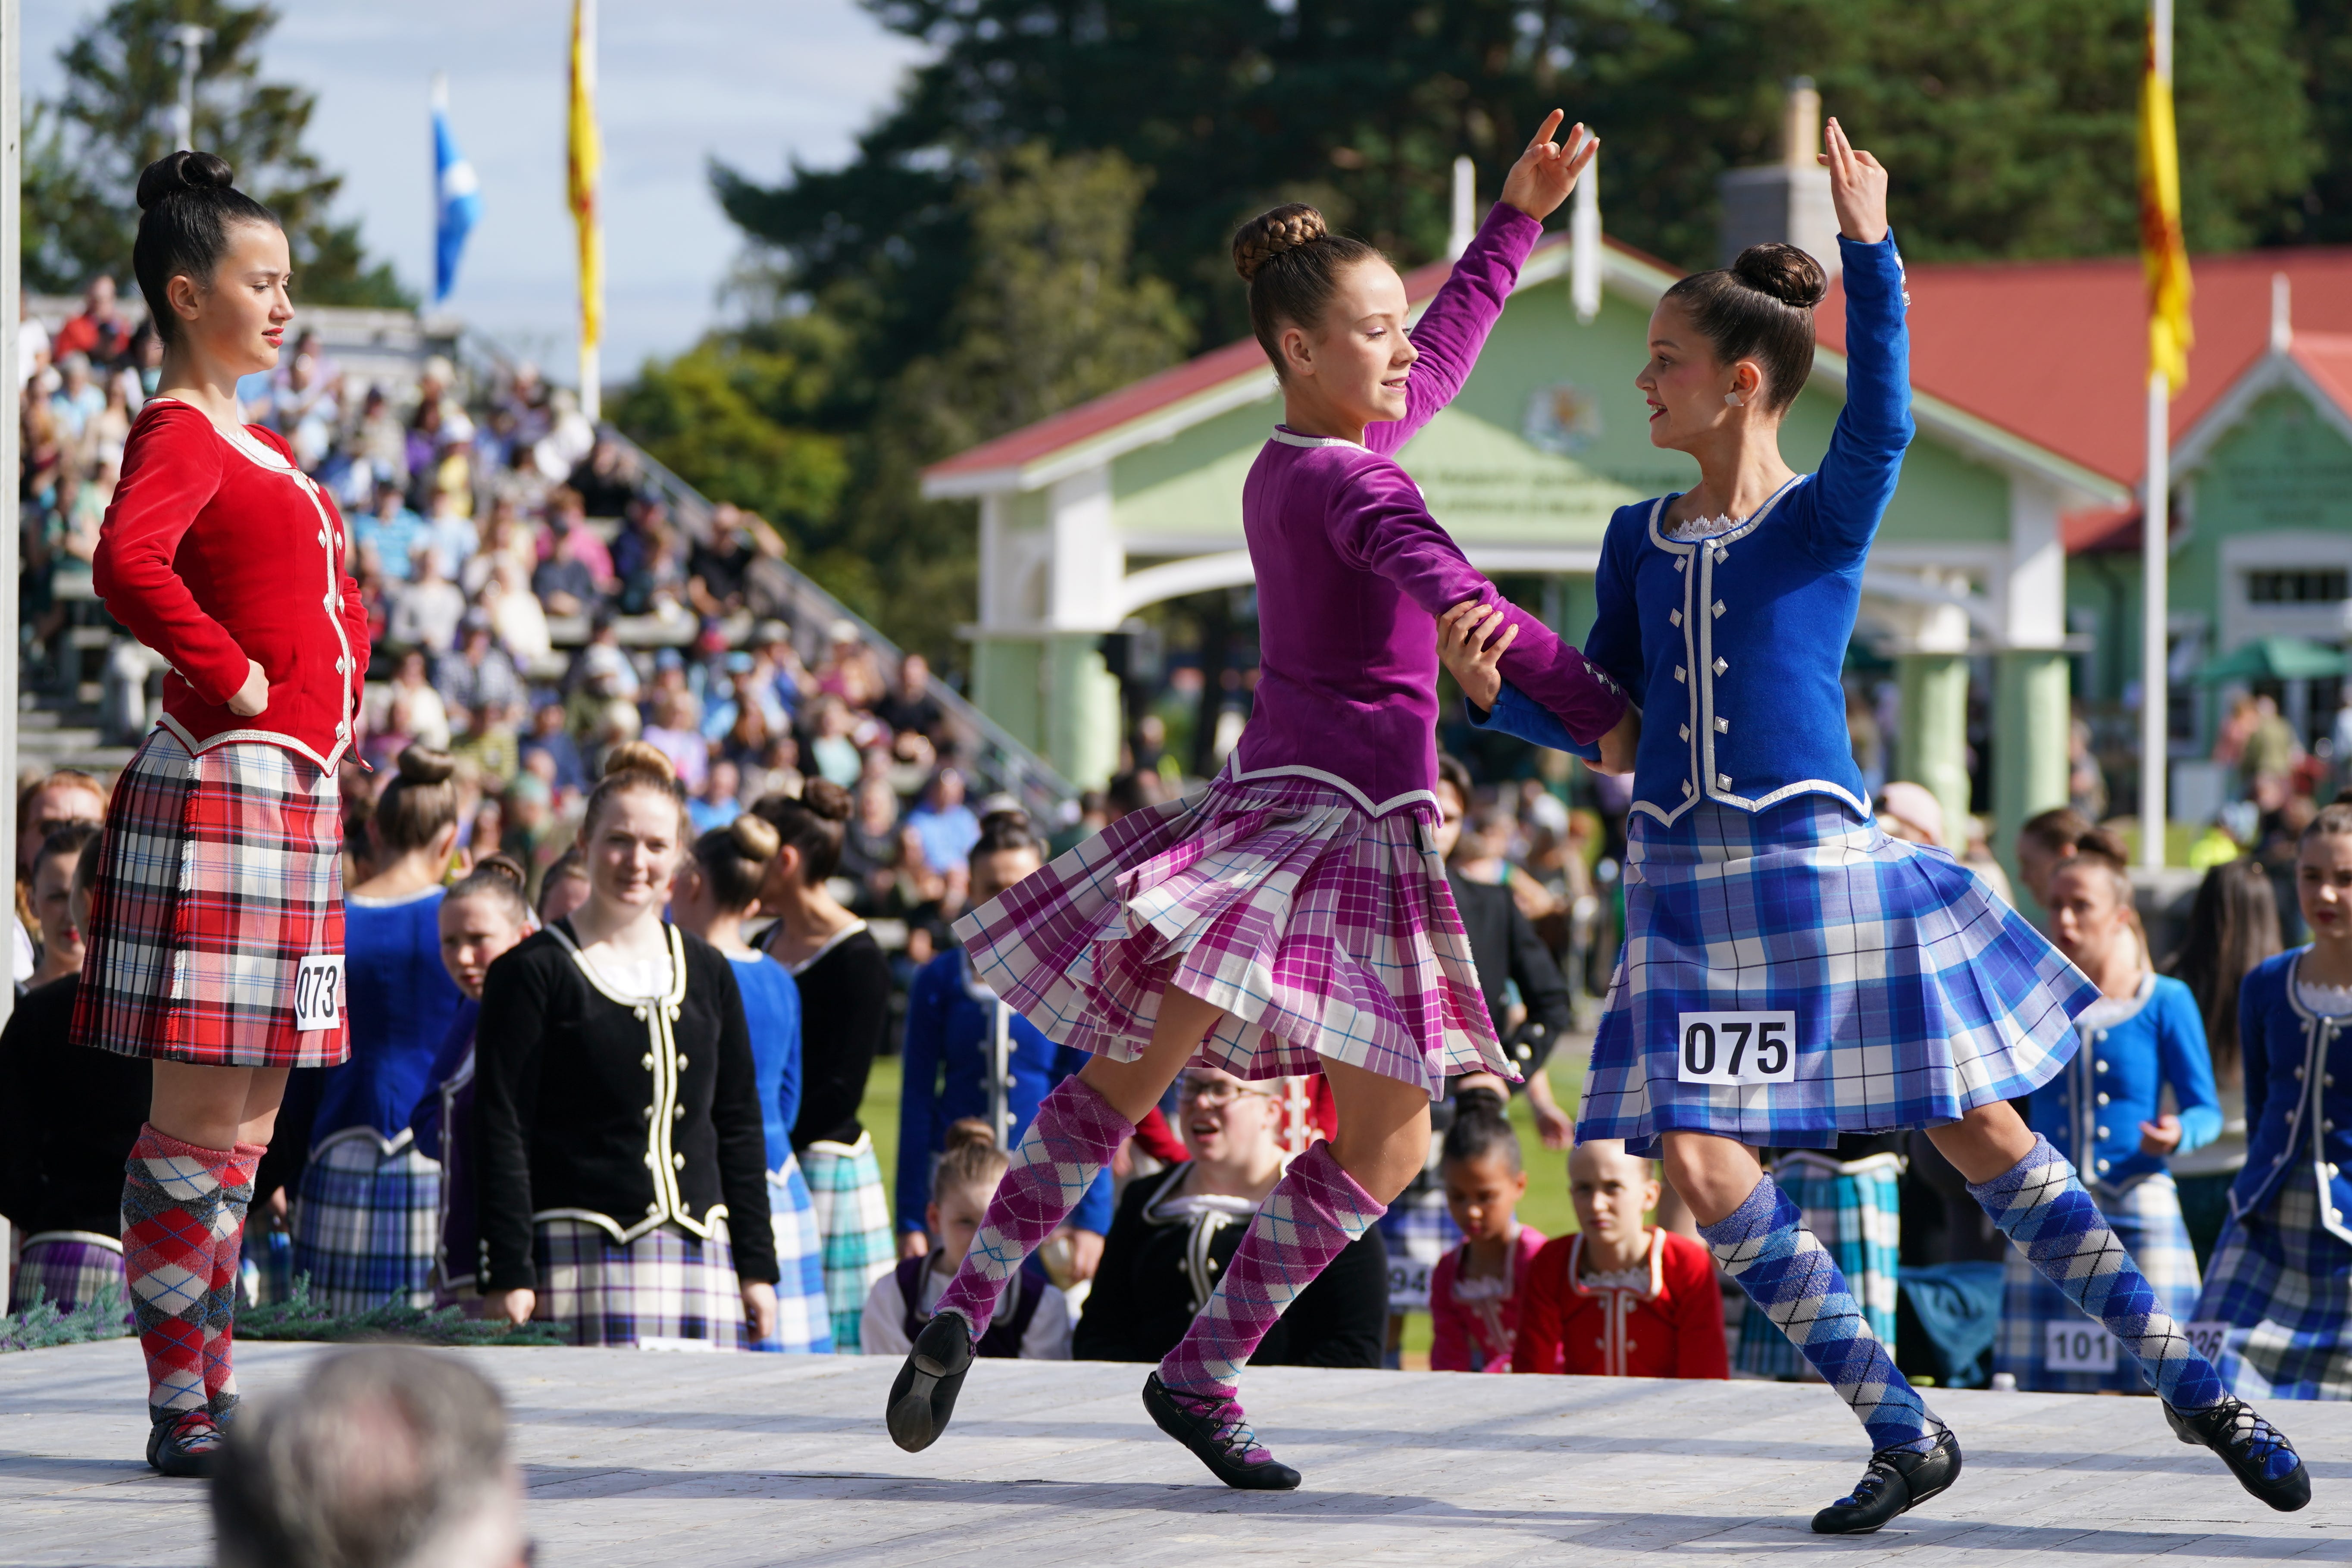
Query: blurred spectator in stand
{"points": [[565, 770], [909, 764], [672, 733], [505, 537], [379, 444], [405, 709], [831, 750], [100, 332], [143, 369], [450, 535], [1131, 793], [743, 691], [780, 665], [477, 671], [849, 669], [578, 568], [487, 739], [2087, 782], [715, 568], [34, 350], [912, 706], [532, 833], [2272, 749], [569, 437], [942, 823], [75, 403], [870, 850], [719, 802], [607, 481], [427, 609], [779, 768], [393, 531], [516, 614]]}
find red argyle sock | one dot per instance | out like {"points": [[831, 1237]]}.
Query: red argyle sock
{"points": [[229, 1259], [171, 1207]]}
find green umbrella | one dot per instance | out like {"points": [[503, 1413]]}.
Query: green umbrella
{"points": [[2275, 658]]}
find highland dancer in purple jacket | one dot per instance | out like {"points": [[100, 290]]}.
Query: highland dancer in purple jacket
{"points": [[1292, 919]]}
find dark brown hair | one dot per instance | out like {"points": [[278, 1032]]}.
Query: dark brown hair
{"points": [[188, 201], [1004, 830], [2233, 926], [1482, 1126], [734, 859], [2100, 850], [2059, 830], [812, 824], [419, 804], [73, 838], [571, 863], [2335, 818], [500, 878], [1292, 262], [1760, 307]]}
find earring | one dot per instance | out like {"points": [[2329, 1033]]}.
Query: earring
{"points": [[1732, 398]]}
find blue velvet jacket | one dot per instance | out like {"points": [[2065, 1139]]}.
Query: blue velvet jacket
{"points": [[2298, 1093], [950, 1029], [1734, 645], [2091, 1112]]}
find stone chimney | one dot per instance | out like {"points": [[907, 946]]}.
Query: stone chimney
{"points": [[1789, 200]]}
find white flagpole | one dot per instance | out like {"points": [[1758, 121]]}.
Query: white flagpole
{"points": [[2156, 595], [12, 166]]}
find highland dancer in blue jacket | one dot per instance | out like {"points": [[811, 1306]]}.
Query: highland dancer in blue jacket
{"points": [[1791, 974], [2281, 1275]]}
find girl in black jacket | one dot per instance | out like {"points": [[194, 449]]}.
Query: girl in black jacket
{"points": [[621, 1162]]}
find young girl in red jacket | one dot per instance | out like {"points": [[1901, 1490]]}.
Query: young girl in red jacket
{"points": [[1475, 1290], [216, 938], [1620, 1299]]}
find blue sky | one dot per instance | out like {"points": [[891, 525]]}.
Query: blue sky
{"points": [[750, 82]]}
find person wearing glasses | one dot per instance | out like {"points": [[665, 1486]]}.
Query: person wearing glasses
{"points": [[1176, 1233]]}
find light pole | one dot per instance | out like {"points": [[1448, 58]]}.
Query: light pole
{"points": [[191, 40]]}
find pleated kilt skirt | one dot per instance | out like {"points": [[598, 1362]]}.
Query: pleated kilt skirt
{"points": [[367, 1221], [220, 872], [2284, 1283], [1323, 933], [804, 1317], [667, 1289], [1916, 993], [68, 1268], [1855, 1211], [2144, 1215], [852, 1211]]}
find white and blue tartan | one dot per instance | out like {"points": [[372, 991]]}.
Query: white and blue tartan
{"points": [[1855, 1211], [1918, 995], [2144, 1215], [803, 1321], [1418, 1230], [853, 1216], [2283, 1281], [666, 1285], [367, 1221]]}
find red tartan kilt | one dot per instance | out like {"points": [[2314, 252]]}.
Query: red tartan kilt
{"points": [[220, 872]]}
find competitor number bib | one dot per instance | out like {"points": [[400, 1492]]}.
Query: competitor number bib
{"points": [[319, 993], [1739, 1048]]}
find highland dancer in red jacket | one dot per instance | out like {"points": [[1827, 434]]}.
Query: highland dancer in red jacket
{"points": [[215, 944]]}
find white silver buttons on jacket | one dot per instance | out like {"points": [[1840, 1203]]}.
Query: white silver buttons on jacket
{"points": [[1721, 555], [1681, 674], [2103, 1132], [649, 1113], [2299, 1072], [653, 1208], [2103, 1099], [1674, 617], [1681, 562], [649, 1159], [677, 1162], [2103, 1166], [648, 1061], [1686, 731], [1686, 787], [679, 1114], [1721, 664], [1718, 608], [1722, 726], [1723, 780], [2102, 1067]]}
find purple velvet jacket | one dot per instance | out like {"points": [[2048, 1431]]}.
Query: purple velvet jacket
{"points": [[1352, 573]]}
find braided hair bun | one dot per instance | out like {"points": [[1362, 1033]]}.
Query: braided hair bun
{"points": [[1784, 271], [1276, 233], [188, 202]]}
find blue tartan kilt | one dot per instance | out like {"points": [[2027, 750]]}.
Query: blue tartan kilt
{"points": [[2144, 1215], [367, 1221], [1917, 995], [853, 1216], [803, 1321], [1856, 1213], [2284, 1285]]}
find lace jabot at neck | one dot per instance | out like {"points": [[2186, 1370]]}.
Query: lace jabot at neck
{"points": [[1691, 528]]}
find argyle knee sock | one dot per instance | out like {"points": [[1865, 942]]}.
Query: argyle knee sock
{"points": [[2040, 1205], [1786, 1271], [221, 1300], [171, 1209], [1309, 1217], [1074, 1135]]}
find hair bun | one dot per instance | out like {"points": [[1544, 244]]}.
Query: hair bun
{"points": [[1276, 233], [502, 866], [423, 765], [639, 757], [754, 838], [184, 171], [2102, 844], [827, 799], [1784, 271], [1480, 1100]]}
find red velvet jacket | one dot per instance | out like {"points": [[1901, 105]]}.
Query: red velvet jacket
{"points": [[218, 549], [1672, 1327]]}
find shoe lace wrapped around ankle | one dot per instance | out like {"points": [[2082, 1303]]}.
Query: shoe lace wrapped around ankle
{"points": [[195, 1433], [2245, 1429], [1874, 1481], [1233, 1432]]}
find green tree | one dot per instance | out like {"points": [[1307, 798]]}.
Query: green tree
{"points": [[85, 150], [2322, 213]]}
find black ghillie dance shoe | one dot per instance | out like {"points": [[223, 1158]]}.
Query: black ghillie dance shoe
{"points": [[2257, 1453], [924, 1396], [1897, 1481], [184, 1444], [1219, 1436]]}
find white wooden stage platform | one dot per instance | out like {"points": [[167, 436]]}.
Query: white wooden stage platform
{"points": [[694, 1460]]}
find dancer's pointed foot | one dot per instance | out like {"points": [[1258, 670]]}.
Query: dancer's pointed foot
{"points": [[1219, 1436], [1897, 1481], [2257, 1453], [924, 1396], [186, 1444]]}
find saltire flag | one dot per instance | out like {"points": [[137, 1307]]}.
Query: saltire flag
{"points": [[456, 197]]}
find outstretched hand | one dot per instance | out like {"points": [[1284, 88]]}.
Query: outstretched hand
{"points": [[1472, 654], [1857, 186], [1547, 172]]}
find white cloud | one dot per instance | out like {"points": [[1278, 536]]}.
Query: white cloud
{"points": [[681, 81]]}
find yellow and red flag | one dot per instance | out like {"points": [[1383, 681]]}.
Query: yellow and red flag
{"points": [[585, 162], [2164, 254]]}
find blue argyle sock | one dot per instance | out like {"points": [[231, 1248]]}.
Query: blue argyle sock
{"points": [[1785, 1271], [2041, 1205]]}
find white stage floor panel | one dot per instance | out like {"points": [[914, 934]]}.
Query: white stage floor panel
{"points": [[695, 1461]]}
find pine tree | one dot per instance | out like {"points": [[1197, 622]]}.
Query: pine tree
{"points": [[84, 150]]}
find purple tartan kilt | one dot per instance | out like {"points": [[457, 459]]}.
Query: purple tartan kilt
{"points": [[1322, 932], [664, 1286], [220, 871], [69, 1267]]}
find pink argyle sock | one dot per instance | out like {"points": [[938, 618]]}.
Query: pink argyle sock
{"points": [[1074, 1134], [1316, 1211]]}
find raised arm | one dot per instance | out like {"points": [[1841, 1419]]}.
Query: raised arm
{"points": [[1858, 474], [1453, 328]]}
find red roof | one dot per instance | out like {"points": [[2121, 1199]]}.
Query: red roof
{"points": [[2057, 351]]}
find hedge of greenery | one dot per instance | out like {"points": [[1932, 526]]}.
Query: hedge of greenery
{"points": [[296, 1318]]}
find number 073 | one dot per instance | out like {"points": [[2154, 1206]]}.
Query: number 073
{"points": [[1737, 1048]]}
